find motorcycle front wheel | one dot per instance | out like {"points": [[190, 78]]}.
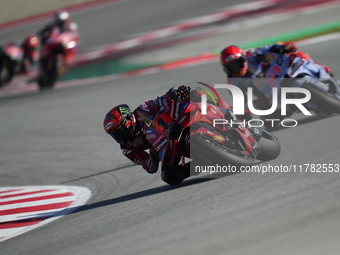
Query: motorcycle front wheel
{"points": [[325, 100], [214, 153], [270, 147]]}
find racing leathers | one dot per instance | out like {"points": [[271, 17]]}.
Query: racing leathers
{"points": [[136, 150]]}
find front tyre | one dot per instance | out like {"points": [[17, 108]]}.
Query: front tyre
{"points": [[270, 147], [325, 100], [214, 153]]}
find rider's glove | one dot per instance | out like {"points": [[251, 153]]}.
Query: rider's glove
{"points": [[182, 93], [152, 163], [248, 115], [288, 47]]}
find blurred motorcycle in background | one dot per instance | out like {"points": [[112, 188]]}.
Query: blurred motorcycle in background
{"points": [[57, 50], [291, 70], [11, 56]]}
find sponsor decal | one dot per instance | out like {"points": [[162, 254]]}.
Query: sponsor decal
{"points": [[126, 151], [161, 107], [247, 133], [279, 60], [161, 144], [209, 133], [177, 109], [109, 125], [124, 110], [149, 131], [165, 103], [219, 138], [161, 155], [184, 106], [150, 136], [157, 141], [144, 107]]}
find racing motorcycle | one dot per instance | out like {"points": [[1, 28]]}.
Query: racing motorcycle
{"points": [[292, 70], [180, 130], [10, 60], [57, 50]]}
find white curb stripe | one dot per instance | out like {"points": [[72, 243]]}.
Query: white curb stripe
{"points": [[17, 218], [39, 202]]}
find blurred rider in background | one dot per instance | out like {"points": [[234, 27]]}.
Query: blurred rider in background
{"points": [[31, 55], [62, 22], [252, 64], [18, 57]]}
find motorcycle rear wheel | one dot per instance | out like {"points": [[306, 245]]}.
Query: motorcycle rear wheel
{"points": [[47, 78]]}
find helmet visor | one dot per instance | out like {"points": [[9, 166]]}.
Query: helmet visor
{"points": [[120, 135], [236, 65]]}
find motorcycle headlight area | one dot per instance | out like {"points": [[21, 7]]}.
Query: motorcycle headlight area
{"points": [[71, 44]]}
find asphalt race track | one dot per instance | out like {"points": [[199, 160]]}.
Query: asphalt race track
{"points": [[57, 137], [116, 20]]}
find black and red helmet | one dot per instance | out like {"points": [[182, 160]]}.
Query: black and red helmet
{"points": [[120, 124], [233, 61]]}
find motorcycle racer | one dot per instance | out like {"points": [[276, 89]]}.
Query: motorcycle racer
{"points": [[31, 55], [126, 128], [18, 57], [62, 22], [236, 63], [252, 64]]}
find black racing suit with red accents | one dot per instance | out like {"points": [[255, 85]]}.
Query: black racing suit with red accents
{"points": [[136, 150]]}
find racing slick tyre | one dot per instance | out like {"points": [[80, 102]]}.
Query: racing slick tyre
{"points": [[270, 147], [324, 99], [48, 74], [214, 153]]}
